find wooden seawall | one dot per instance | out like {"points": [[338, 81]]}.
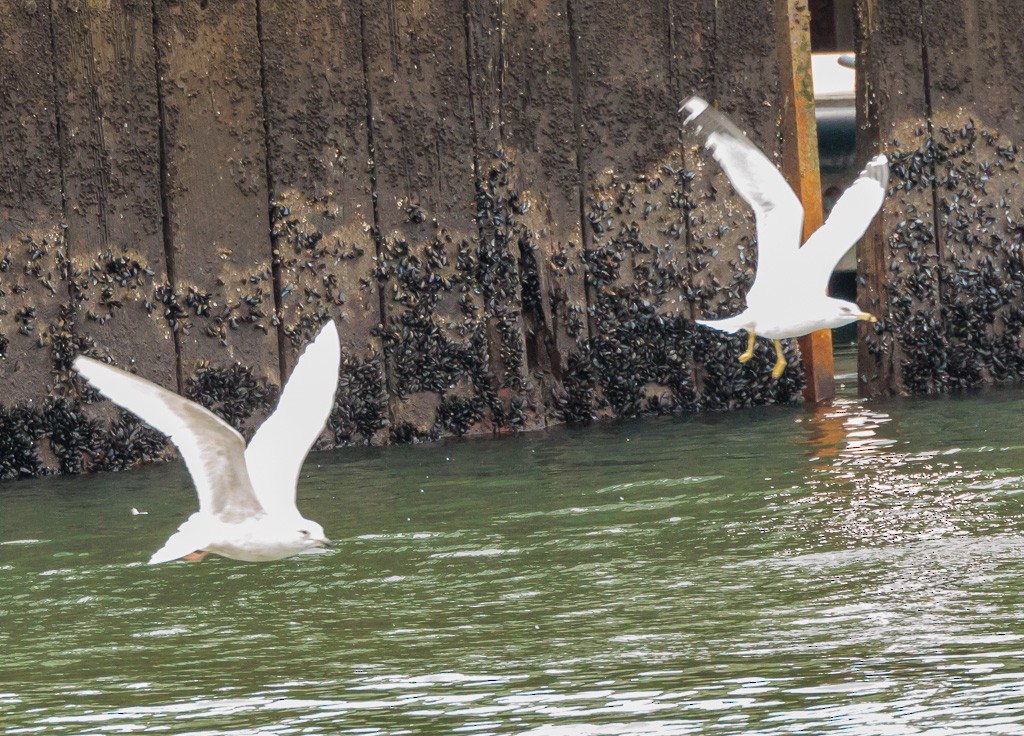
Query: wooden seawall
{"points": [[494, 199]]}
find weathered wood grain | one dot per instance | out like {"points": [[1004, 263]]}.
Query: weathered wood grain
{"points": [[435, 337], [34, 317], [977, 189], [104, 58], [641, 340], [528, 193]]}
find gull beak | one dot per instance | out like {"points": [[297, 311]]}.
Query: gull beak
{"points": [[325, 542], [865, 317]]}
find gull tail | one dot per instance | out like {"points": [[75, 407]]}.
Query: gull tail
{"points": [[731, 325], [185, 541]]}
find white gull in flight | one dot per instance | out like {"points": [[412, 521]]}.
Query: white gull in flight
{"points": [[246, 495], [789, 295]]}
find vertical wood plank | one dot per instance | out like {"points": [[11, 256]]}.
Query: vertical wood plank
{"points": [[528, 189], [499, 210], [898, 259], [217, 200], [111, 149], [322, 206], [641, 344], [33, 297], [978, 194], [435, 335]]}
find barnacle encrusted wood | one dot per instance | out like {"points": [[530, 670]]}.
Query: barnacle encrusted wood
{"points": [[939, 91], [528, 202], [641, 333], [321, 210], [977, 184], [494, 200], [33, 256], [110, 149], [435, 327]]}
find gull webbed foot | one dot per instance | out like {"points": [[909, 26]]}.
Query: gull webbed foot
{"points": [[780, 360], [750, 349]]}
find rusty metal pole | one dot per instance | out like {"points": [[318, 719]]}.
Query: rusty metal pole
{"points": [[800, 165]]}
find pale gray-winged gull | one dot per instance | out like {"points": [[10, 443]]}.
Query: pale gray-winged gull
{"points": [[789, 295], [246, 496]]}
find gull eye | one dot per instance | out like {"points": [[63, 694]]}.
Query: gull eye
{"points": [[303, 532]]}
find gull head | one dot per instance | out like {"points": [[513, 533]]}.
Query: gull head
{"points": [[847, 312], [310, 535]]}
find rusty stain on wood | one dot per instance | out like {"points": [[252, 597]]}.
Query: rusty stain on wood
{"points": [[800, 165]]}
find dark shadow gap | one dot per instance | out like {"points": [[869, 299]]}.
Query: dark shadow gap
{"points": [[275, 260], [165, 201], [573, 22], [389, 381]]}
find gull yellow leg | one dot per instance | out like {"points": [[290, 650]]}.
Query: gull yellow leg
{"points": [[780, 360], [750, 348]]}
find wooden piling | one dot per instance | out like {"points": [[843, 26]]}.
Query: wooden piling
{"points": [[633, 207], [529, 188], [496, 201], [435, 330], [106, 74]]}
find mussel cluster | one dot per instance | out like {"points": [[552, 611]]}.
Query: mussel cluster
{"points": [[361, 405], [498, 209], [306, 267], [434, 333], [234, 393], [21, 430], [955, 281], [105, 285]]}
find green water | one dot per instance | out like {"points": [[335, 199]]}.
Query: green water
{"points": [[857, 569]]}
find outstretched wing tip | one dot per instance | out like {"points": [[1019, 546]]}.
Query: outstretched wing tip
{"points": [[878, 170], [693, 106], [275, 454], [84, 365], [327, 328], [327, 338]]}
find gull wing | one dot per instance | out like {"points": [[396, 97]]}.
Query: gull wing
{"points": [[275, 455], [845, 225], [777, 209], [212, 450]]}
